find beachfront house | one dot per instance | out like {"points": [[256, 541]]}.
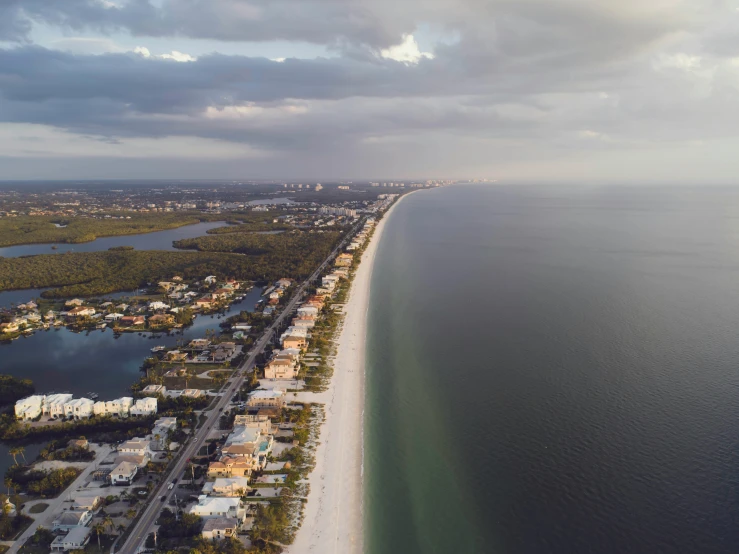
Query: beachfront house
{"points": [[272, 398], [228, 487], [218, 528], [230, 467], [209, 507], [280, 368]]}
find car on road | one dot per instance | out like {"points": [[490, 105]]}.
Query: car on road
{"points": [[162, 498]]}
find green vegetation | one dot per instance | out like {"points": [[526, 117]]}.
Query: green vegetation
{"points": [[104, 428], [47, 484], [54, 451], [38, 508], [97, 273], [11, 525], [12, 389], [42, 229]]}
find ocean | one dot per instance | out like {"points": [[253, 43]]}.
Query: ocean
{"points": [[555, 370]]}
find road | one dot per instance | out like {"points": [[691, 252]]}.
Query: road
{"points": [[56, 504], [145, 523]]}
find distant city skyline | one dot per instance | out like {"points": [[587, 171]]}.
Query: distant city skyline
{"points": [[580, 91]]}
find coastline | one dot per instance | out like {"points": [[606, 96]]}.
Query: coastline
{"points": [[333, 520]]}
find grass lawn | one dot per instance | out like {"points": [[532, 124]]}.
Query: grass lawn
{"points": [[38, 508], [4, 548], [190, 383]]}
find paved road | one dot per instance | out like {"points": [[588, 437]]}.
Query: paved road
{"points": [[145, 523], [46, 518]]}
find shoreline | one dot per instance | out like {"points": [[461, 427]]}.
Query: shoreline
{"points": [[333, 520]]}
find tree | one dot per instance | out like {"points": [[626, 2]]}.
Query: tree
{"points": [[98, 528], [14, 452], [130, 514], [21, 451], [108, 522]]}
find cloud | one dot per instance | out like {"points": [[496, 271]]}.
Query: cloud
{"points": [[525, 79], [406, 52], [174, 55]]}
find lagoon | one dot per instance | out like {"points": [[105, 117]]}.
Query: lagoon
{"points": [[158, 240]]}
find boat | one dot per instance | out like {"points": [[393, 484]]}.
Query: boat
{"points": [[92, 395], [158, 348]]}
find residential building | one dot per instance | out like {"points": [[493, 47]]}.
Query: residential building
{"points": [[232, 487], [54, 404], [199, 344], [76, 539], [144, 407], [68, 520], [209, 507], [310, 311], [30, 407], [119, 407], [220, 528], [123, 474], [230, 467], [273, 398], [294, 342], [79, 408], [132, 320], [154, 389], [280, 369], [81, 311]]}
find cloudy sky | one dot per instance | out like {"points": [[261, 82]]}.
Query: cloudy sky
{"points": [[522, 90]]}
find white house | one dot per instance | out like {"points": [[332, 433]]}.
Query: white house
{"points": [[76, 539], [155, 389], [154, 306], [113, 317], [228, 487], [162, 427], [30, 407], [308, 311], [79, 408], [66, 521], [144, 407], [54, 404], [209, 507], [119, 407], [210, 279], [123, 474]]}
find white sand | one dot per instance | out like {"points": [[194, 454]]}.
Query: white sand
{"points": [[333, 521]]}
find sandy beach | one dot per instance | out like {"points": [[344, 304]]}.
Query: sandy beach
{"points": [[333, 515]]}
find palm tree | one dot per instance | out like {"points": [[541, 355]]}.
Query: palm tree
{"points": [[108, 522], [14, 452], [121, 528], [98, 528], [130, 514], [21, 451]]}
